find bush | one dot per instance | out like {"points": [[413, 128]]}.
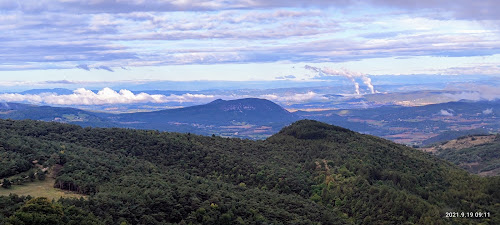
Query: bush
{"points": [[6, 183]]}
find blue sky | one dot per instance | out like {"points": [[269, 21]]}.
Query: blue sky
{"points": [[109, 40]]}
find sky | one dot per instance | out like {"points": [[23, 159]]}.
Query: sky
{"points": [[243, 40]]}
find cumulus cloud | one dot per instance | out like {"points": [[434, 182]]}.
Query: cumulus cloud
{"points": [[295, 98], [445, 113], [21, 98], [488, 111], [105, 96]]}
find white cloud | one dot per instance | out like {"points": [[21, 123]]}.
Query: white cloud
{"points": [[484, 9], [476, 93], [21, 98], [488, 111], [105, 96], [295, 98], [473, 70], [189, 98], [445, 113], [47, 34]]}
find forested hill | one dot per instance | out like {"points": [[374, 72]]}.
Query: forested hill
{"points": [[478, 154], [308, 173], [18, 111]]}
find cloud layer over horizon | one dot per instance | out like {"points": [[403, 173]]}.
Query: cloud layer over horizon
{"points": [[108, 96]]}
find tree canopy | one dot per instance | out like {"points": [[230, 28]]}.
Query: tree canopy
{"points": [[308, 173]]}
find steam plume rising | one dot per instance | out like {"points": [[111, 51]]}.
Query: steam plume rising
{"points": [[368, 82], [346, 73]]}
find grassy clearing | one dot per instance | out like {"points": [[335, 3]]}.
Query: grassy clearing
{"points": [[40, 189]]}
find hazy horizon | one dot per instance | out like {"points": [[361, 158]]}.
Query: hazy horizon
{"points": [[292, 52]]}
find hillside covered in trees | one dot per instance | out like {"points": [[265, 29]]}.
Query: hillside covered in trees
{"points": [[308, 173], [479, 154]]}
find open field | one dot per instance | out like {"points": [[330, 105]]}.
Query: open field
{"points": [[39, 189]]}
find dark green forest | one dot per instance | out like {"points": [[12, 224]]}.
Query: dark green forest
{"points": [[483, 158], [308, 173], [453, 134]]}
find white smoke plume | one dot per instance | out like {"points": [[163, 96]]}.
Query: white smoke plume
{"points": [[368, 82], [351, 75], [356, 86], [105, 96]]}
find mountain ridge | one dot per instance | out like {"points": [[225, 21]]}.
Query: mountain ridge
{"points": [[258, 119], [247, 109], [249, 118]]}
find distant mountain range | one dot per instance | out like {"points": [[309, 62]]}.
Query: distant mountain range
{"points": [[414, 125], [18, 111], [250, 118], [59, 91], [255, 118]]}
